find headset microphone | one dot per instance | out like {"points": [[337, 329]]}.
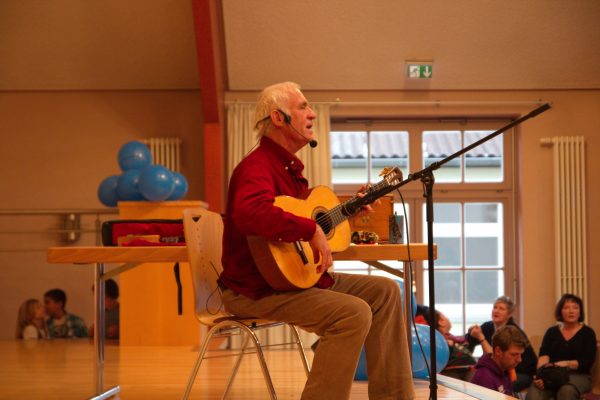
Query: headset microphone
{"points": [[288, 120]]}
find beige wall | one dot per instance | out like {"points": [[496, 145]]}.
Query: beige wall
{"points": [[77, 80], [573, 114], [56, 149]]}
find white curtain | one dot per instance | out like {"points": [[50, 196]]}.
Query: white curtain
{"points": [[241, 137]]}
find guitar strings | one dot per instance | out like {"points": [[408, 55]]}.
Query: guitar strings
{"points": [[335, 216]]}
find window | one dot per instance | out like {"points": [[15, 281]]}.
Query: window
{"points": [[482, 164], [360, 156], [469, 271], [472, 204]]}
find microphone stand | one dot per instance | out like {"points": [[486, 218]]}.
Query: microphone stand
{"points": [[427, 179]]}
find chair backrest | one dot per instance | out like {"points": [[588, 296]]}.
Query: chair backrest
{"points": [[203, 236]]}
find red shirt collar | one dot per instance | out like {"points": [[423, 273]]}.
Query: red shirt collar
{"points": [[287, 160]]}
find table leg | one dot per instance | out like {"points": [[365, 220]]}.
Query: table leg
{"points": [[99, 335], [408, 305]]}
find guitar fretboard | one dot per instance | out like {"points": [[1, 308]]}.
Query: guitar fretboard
{"points": [[347, 209]]}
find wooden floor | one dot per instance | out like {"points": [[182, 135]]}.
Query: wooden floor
{"points": [[62, 369]]}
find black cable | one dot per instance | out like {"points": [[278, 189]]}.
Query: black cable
{"points": [[218, 288], [409, 285]]}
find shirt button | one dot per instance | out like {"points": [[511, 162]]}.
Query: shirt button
{"points": [[292, 163], [280, 239], [286, 168]]}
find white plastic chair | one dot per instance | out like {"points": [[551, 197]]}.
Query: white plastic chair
{"points": [[203, 236]]}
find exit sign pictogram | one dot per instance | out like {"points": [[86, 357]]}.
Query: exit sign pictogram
{"points": [[419, 71]]}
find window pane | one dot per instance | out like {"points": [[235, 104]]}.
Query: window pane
{"points": [[349, 155], [388, 149], [481, 212], [482, 288], [484, 163], [481, 252], [447, 233], [448, 297], [483, 235], [438, 145], [446, 213]]}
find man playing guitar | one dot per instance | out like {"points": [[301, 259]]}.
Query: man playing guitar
{"points": [[346, 310]]}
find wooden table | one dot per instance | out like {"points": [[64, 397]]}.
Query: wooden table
{"points": [[130, 257]]}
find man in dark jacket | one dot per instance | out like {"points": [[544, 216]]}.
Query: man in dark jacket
{"points": [[492, 370]]}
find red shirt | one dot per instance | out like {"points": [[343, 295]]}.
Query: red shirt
{"points": [[267, 172]]}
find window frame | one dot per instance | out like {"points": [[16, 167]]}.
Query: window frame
{"points": [[457, 192]]}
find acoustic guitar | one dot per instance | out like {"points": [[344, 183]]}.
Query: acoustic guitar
{"points": [[291, 266]]}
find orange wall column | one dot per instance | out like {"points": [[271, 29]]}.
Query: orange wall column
{"points": [[211, 66]]}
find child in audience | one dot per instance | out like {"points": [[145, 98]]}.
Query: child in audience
{"points": [[61, 324], [111, 307], [31, 322]]}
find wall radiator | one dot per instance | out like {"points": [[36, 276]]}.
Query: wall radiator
{"points": [[166, 151], [569, 215]]}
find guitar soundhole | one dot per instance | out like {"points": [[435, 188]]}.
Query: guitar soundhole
{"points": [[324, 222]]}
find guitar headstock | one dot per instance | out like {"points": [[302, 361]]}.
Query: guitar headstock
{"points": [[391, 175]]}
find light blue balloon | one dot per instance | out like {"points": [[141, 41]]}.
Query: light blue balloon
{"points": [[413, 300], [361, 369], [419, 367], [181, 186], [156, 183], [127, 185], [134, 155], [107, 191]]}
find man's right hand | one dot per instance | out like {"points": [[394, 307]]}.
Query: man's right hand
{"points": [[321, 250]]}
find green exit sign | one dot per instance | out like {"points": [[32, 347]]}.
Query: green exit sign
{"points": [[419, 71]]}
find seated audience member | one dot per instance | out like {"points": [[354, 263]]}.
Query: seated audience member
{"points": [[501, 316], [460, 361], [111, 307], [492, 369], [60, 323], [570, 344], [31, 322]]}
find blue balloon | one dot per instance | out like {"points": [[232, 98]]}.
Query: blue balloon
{"points": [[134, 155], [156, 183], [181, 186], [361, 369], [413, 301], [127, 185], [107, 191], [419, 367]]}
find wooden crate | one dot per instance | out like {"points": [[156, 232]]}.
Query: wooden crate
{"points": [[377, 221]]}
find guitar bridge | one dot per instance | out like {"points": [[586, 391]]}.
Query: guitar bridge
{"points": [[300, 251]]}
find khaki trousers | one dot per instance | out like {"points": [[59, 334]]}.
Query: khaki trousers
{"points": [[356, 310]]}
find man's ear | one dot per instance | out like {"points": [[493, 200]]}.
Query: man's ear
{"points": [[497, 351], [277, 118]]}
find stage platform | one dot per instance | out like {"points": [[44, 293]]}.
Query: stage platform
{"points": [[63, 369]]}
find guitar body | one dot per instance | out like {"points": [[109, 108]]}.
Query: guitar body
{"points": [[281, 263]]}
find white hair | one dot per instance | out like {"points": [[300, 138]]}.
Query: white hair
{"points": [[272, 97]]}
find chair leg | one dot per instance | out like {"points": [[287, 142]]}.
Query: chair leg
{"points": [[263, 363], [236, 366], [300, 349], [194, 373], [261, 358]]}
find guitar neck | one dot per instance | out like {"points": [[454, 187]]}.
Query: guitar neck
{"points": [[350, 207]]}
